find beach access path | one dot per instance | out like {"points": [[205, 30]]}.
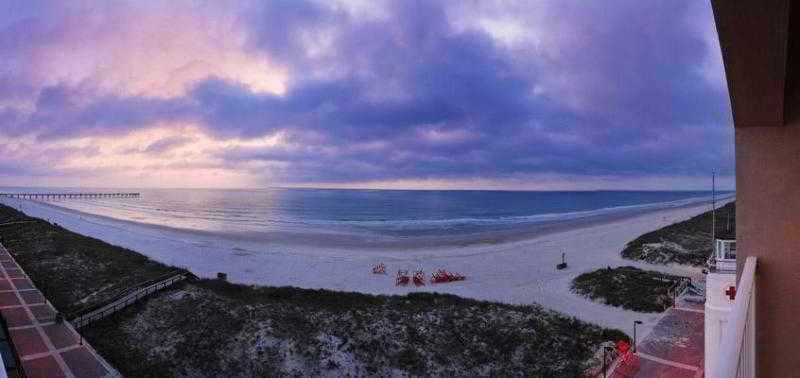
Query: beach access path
{"points": [[673, 349], [46, 348]]}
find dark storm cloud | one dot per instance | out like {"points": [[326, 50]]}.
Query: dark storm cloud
{"points": [[62, 112], [617, 90]]}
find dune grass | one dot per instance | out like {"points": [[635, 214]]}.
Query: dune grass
{"points": [[213, 328], [70, 269], [628, 287], [688, 242]]}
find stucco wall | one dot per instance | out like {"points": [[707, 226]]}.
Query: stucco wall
{"points": [[768, 226], [717, 308]]}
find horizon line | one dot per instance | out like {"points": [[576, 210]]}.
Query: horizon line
{"points": [[383, 189]]}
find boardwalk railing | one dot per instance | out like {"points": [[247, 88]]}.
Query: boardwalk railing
{"points": [[737, 353], [677, 288], [69, 195], [85, 316]]}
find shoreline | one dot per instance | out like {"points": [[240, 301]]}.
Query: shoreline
{"points": [[318, 238], [514, 272]]}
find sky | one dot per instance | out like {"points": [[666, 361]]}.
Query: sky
{"points": [[541, 95]]}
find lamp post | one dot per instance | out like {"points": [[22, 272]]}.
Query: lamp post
{"points": [[635, 322], [605, 350], [675, 297]]}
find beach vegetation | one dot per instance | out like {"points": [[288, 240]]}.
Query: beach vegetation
{"points": [[73, 271], [688, 242], [215, 328], [628, 287]]}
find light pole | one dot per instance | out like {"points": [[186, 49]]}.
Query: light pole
{"points": [[635, 322], [605, 350], [675, 297]]}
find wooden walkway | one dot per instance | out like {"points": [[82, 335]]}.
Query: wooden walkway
{"points": [[46, 348], [124, 300], [68, 195]]}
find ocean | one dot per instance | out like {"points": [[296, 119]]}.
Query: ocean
{"points": [[368, 214]]}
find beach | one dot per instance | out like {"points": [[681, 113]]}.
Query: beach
{"points": [[516, 272]]}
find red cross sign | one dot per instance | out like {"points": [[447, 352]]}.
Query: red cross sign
{"points": [[731, 292]]}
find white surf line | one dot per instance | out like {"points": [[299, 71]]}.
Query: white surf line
{"points": [[667, 362]]}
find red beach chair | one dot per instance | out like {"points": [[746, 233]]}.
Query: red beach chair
{"points": [[457, 277], [402, 278], [379, 269], [419, 278], [442, 276]]}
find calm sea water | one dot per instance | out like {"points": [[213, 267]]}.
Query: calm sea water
{"points": [[375, 213]]}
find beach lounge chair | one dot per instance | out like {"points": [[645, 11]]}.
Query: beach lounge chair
{"points": [[402, 278]]}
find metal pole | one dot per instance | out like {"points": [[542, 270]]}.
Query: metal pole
{"points": [[728, 224], [713, 209]]}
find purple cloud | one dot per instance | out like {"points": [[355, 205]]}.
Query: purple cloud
{"points": [[599, 90]]}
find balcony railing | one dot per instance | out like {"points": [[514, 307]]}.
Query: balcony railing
{"points": [[737, 351], [723, 259], [715, 265], [725, 249]]}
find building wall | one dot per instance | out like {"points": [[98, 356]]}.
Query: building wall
{"points": [[768, 226], [717, 308]]}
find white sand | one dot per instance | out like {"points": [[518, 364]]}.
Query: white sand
{"points": [[520, 272]]}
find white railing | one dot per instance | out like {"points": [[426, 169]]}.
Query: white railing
{"points": [[124, 300], [725, 249], [721, 265], [737, 352], [724, 257]]}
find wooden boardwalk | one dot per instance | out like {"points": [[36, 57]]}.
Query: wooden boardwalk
{"points": [[69, 195], [125, 299], [46, 347]]}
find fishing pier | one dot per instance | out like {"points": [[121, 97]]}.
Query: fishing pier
{"points": [[68, 195]]}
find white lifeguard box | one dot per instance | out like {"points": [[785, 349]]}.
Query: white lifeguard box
{"points": [[720, 293]]}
